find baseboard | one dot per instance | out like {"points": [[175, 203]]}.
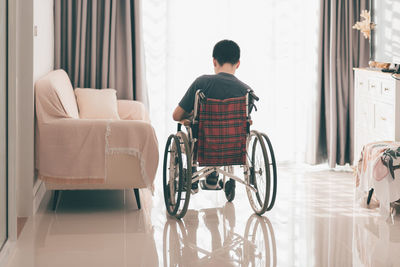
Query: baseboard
{"points": [[38, 183], [39, 192], [21, 221], [6, 252]]}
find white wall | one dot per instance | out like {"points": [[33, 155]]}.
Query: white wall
{"points": [[24, 103], [31, 57], [43, 55], [43, 19]]}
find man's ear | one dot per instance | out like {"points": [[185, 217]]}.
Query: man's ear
{"points": [[238, 64], [214, 62]]}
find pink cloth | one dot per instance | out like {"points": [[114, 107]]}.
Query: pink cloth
{"points": [[75, 150], [378, 169], [370, 163]]}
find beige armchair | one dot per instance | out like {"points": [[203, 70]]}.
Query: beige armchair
{"points": [[74, 153]]}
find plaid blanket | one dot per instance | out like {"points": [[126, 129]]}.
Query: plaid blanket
{"points": [[222, 132]]}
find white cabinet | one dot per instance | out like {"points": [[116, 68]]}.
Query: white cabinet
{"points": [[377, 108]]}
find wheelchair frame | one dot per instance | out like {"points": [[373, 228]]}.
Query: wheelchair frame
{"points": [[187, 143]]}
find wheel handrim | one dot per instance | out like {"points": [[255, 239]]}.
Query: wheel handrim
{"points": [[187, 168], [273, 170], [172, 182], [259, 176], [177, 175]]}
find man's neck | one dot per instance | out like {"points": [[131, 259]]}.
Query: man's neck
{"points": [[226, 68]]}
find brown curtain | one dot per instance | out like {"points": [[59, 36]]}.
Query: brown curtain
{"points": [[98, 43], [341, 48]]}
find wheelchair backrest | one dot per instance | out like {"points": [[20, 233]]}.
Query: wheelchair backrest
{"points": [[222, 130], [200, 97]]}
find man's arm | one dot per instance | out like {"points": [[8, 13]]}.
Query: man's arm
{"points": [[180, 114], [184, 110]]}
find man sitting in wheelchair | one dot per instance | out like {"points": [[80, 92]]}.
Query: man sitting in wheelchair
{"points": [[215, 112], [222, 85]]}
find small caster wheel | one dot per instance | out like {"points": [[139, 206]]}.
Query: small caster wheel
{"points": [[230, 190]]}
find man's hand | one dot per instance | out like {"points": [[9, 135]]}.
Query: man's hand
{"points": [[185, 122]]}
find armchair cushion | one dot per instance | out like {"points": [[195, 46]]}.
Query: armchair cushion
{"points": [[132, 110], [97, 104]]}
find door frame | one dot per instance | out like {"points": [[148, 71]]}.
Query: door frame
{"points": [[4, 4], [11, 43], [11, 116]]}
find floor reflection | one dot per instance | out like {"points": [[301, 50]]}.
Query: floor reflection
{"points": [[315, 222], [209, 237], [89, 228], [376, 242]]}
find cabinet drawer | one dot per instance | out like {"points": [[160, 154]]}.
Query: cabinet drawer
{"points": [[388, 91], [384, 121], [374, 87], [361, 84]]}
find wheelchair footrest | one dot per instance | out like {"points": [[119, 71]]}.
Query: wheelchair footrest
{"points": [[204, 186]]}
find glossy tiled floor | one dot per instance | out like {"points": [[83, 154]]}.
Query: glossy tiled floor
{"points": [[315, 222]]}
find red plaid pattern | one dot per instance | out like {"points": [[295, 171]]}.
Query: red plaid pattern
{"points": [[222, 132]]}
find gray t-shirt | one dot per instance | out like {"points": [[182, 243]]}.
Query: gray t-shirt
{"points": [[219, 86]]}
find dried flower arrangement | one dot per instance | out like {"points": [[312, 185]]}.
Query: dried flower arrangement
{"points": [[365, 25]]}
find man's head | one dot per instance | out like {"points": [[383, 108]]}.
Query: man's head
{"points": [[226, 54]]}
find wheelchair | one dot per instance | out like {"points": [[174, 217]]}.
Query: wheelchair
{"points": [[218, 139]]}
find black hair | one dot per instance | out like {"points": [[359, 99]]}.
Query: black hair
{"points": [[226, 51]]}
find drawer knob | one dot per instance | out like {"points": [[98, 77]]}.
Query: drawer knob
{"points": [[372, 85], [383, 118], [386, 89], [361, 83]]}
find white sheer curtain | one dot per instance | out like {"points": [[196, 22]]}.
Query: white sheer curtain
{"points": [[278, 41]]}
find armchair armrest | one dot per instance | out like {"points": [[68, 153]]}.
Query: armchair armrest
{"points": [[132, 110], [71, 148]]}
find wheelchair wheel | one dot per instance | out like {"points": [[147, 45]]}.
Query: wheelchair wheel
{"points": [[177, 175], [259, 173], [272, 170]]}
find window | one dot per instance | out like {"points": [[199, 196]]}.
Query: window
{"points": [[278, 41]]}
